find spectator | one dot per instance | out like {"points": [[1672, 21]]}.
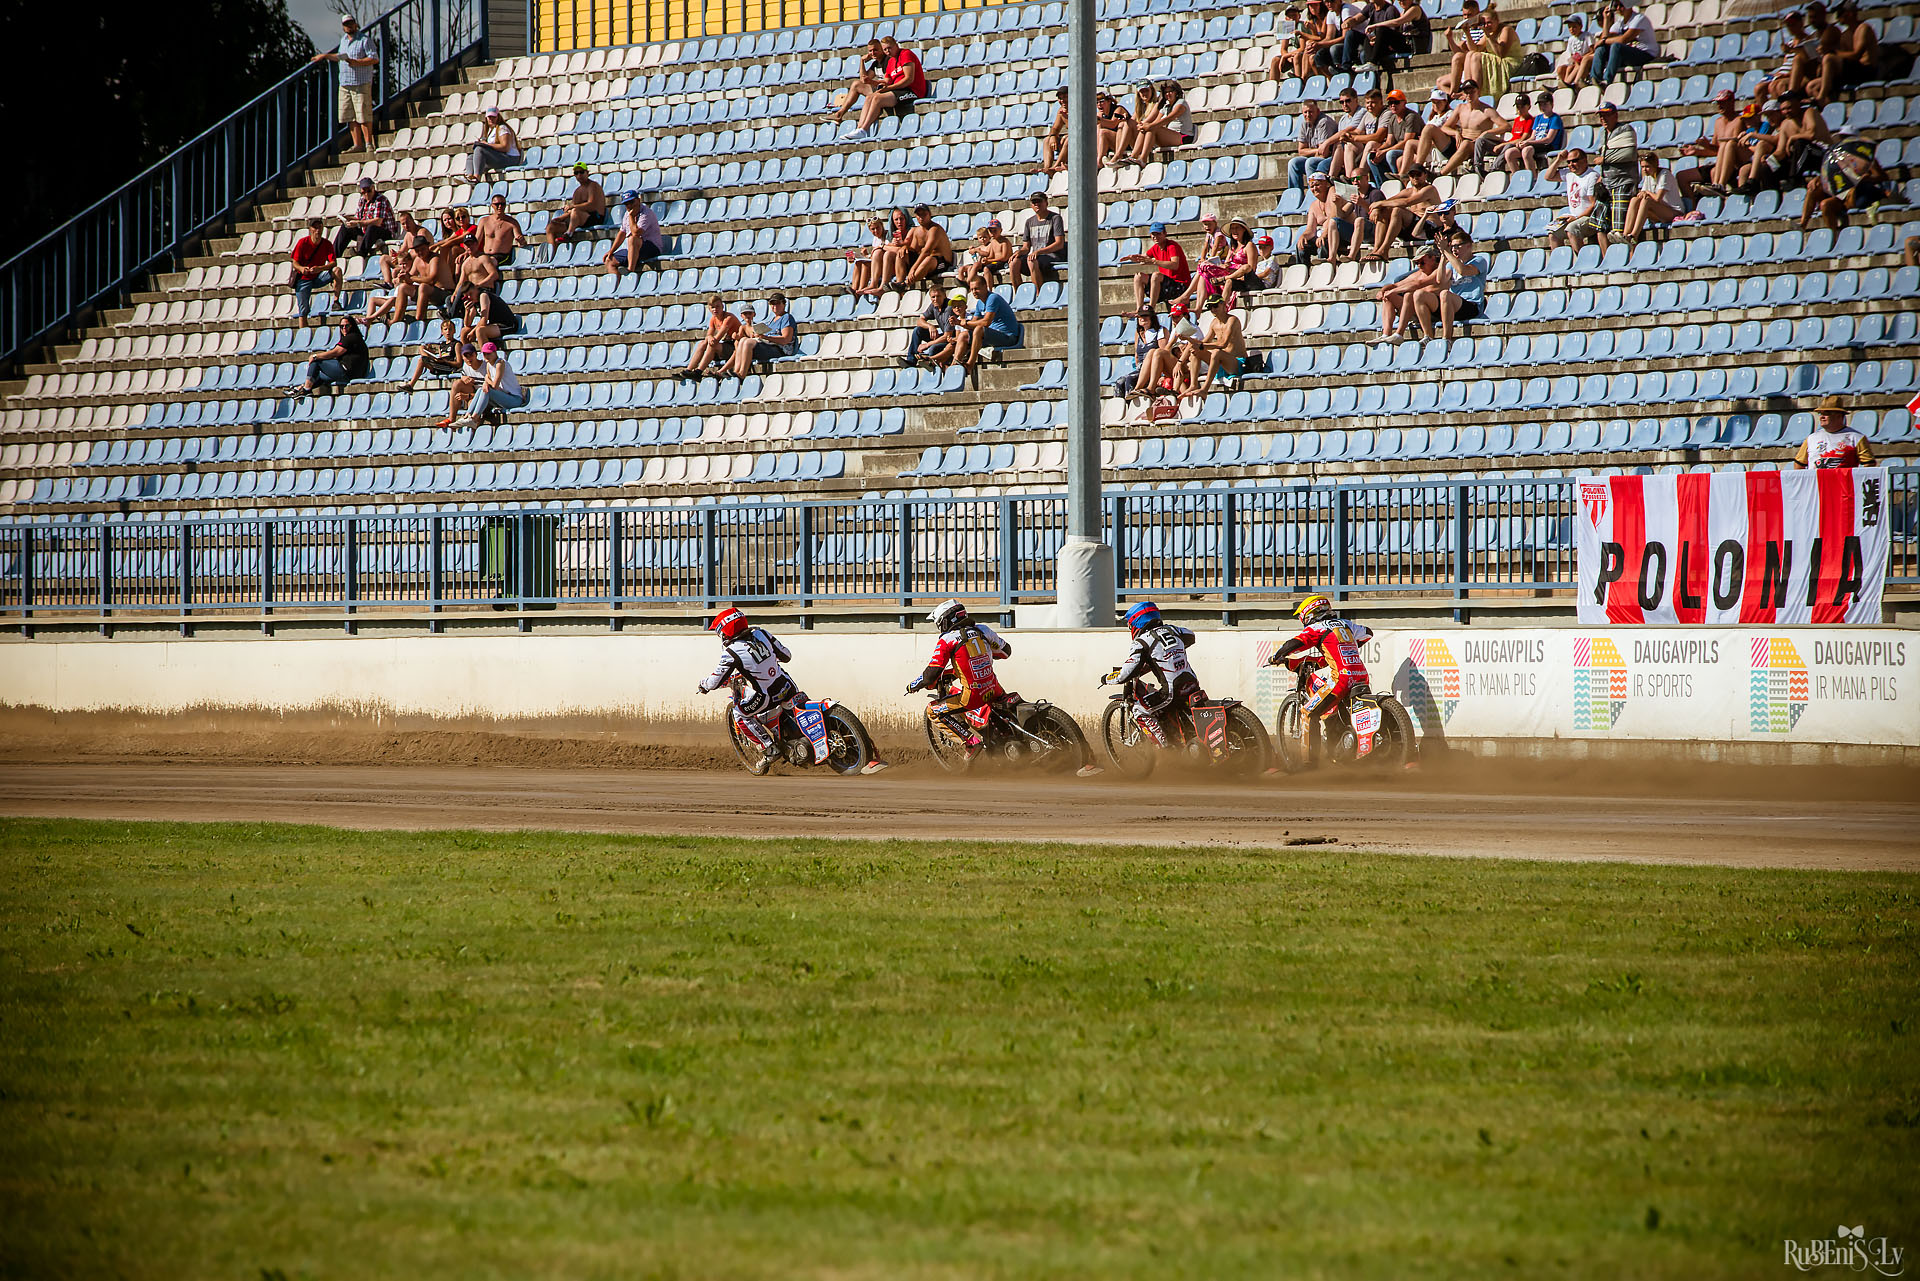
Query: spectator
{"points": [[1110, 121], [1470, 122], [394, 261], [780, 338], [472, 374], [1544, 136], [1402, 126], [990, 322], [499, 232], [988, 255], [929, 250], [901, 83], [433, 274], [1619, 165], [1657, 200], [341, 363], [1463, 40], [1407, 33], [1224, 344], [935, 322], [1586, 214], [1465, 295], [498, 148], [478, 274], [896, 253], [1630, 42], [946, 349], [439, 359], [1321, 34], [1287, 32], [1213, 244], [359, 60], [1832, 443], [638, 240], [1315, 142], [716, 348], [458, 236], [1146, 99], [1820, 38], [1724, 146], [416, 264], [1053, 144], [586, 207], [1356, 16], [1169, 125], [314, 265], [1491, 64], [499, 389], [1242, 258], [1397, 313], [1267, 265], [488, 318], [1849, 179], [1395, 216], [1793, 37], [1519, 135], [1044, 243], [1168, 278], [1792, 133], [371, 224], [1329, 223], [1854, 59], [1149, 340], [1348, 122], [866, 280], [1576, 60], [1183, 342], [873, 65], [1365, 137], [1228, 257]]}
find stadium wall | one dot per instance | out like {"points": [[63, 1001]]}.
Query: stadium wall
{"points": [[1761, 690]]}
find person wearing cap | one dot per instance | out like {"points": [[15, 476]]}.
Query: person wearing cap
{"points": [[1397, 314], [1168, 277], [991, 322], [470, 377], [372, 222], [586, 207], [1267, 265], [716, 347], [759, 344], [1402, 32], [1397, 215], [1630, 41], [1471, 120], [314, 266], [1724, 145], [1043, 244], [1544, 136], [638, 239], [1223, 344], [929, 248], [1575, 63], [1110, 121], [934, 325], [902, 81], [359, 59], [499, 389], [1793, 148], [1286, 33], [1314, 138], [500, 232], [1053, 143], [1586, 212], [1169, 124], [1832, 443], [1329, 223], [1402, 125], [498, 147]]}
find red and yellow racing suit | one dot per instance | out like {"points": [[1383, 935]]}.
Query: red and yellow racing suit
{"points": [[969, 650], [1338, 643]]}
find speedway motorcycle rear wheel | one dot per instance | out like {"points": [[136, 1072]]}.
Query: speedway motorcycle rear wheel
{"points": [[1395, 746], [1248, 748], [1129, 747], [1286, 734], [1068, 750]]}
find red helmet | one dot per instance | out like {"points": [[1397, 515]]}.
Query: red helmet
{"points": [[730, 623]]}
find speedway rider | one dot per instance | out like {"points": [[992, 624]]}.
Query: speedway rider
{"points": [[969, 648], [1332, 644], [1160, 648], [754, 656]]}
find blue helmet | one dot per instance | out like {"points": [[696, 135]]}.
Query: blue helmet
{"points": [[1142, 616]]}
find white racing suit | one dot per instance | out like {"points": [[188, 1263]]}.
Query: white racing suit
{"points": [[756, 657], [1162, 650]]}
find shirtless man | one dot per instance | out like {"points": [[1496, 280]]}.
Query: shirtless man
{"points": [[500, 232], [1470, 120], [1223, 345], [1396, 300], [1723, 147], [1774, 154], [1393, 215], [1854, 58], [478, 273], [586, 207], [1053, 147], [717, 347], [932, 250], [432, 277]]}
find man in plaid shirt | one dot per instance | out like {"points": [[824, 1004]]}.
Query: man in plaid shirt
{"points": [[371, 224]]}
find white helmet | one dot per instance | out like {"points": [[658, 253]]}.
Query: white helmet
{"points": [[947, 615]]}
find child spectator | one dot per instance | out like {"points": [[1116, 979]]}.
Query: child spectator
{"points": [[1544, 137], [1519, 136], [778, 340], [866, 280], [1576, 59], [439, 359], [314, 265], [988, 255]]}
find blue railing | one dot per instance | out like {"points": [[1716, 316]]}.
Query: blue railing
{"points": [[1452, 539], [104, 250]]}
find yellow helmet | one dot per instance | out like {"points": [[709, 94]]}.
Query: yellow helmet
{"points": [[1313, 607]]}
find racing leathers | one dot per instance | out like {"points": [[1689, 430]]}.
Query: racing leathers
{"points": [[756, 657], [1162, 650], [1335, 642], [969, 650]]}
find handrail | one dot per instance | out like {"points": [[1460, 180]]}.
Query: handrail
{"points": [[105, 248]]}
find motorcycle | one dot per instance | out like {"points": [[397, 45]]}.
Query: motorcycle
{"points": [[1017, 732], [1222, 732], [807, 734], [1367, 728]]}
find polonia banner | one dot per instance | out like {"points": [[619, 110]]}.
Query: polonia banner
{"points": [[1732, 547]]}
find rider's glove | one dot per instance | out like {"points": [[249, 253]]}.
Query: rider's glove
{"points": [[915, 687]]}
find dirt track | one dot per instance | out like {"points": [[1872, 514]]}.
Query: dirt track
{"points": [[1410, 814]]}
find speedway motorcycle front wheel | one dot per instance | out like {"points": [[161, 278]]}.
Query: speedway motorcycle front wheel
{"points": [[1128, 746]]}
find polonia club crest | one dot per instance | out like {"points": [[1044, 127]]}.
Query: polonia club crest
{"points": [[1593, 500]]}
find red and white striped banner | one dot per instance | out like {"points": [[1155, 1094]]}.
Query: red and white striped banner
{"points": [[1732, 547]]}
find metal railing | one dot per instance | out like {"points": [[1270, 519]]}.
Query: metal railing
{"points": [[556, 26], [1454, 539], [106, 248]]}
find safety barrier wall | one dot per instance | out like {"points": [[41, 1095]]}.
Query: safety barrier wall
{"points": [[1455, 538], [1701, 685], [107, 247], [556, 26]]}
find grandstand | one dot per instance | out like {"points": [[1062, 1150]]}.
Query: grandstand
{"points": [[1699, 347]]}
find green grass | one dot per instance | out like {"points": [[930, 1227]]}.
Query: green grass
{"points": [[253, 1052]]}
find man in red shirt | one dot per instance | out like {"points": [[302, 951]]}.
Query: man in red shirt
{"points": [[901, 83], [1170, 275], [313, 266]]}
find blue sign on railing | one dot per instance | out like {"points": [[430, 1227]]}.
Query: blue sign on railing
{"points": [[105, 249]]}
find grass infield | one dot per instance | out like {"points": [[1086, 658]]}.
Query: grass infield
{"points": [[258, 1052]]}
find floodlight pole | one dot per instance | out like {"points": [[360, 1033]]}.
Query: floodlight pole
{"points": [[1084, 571]]}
